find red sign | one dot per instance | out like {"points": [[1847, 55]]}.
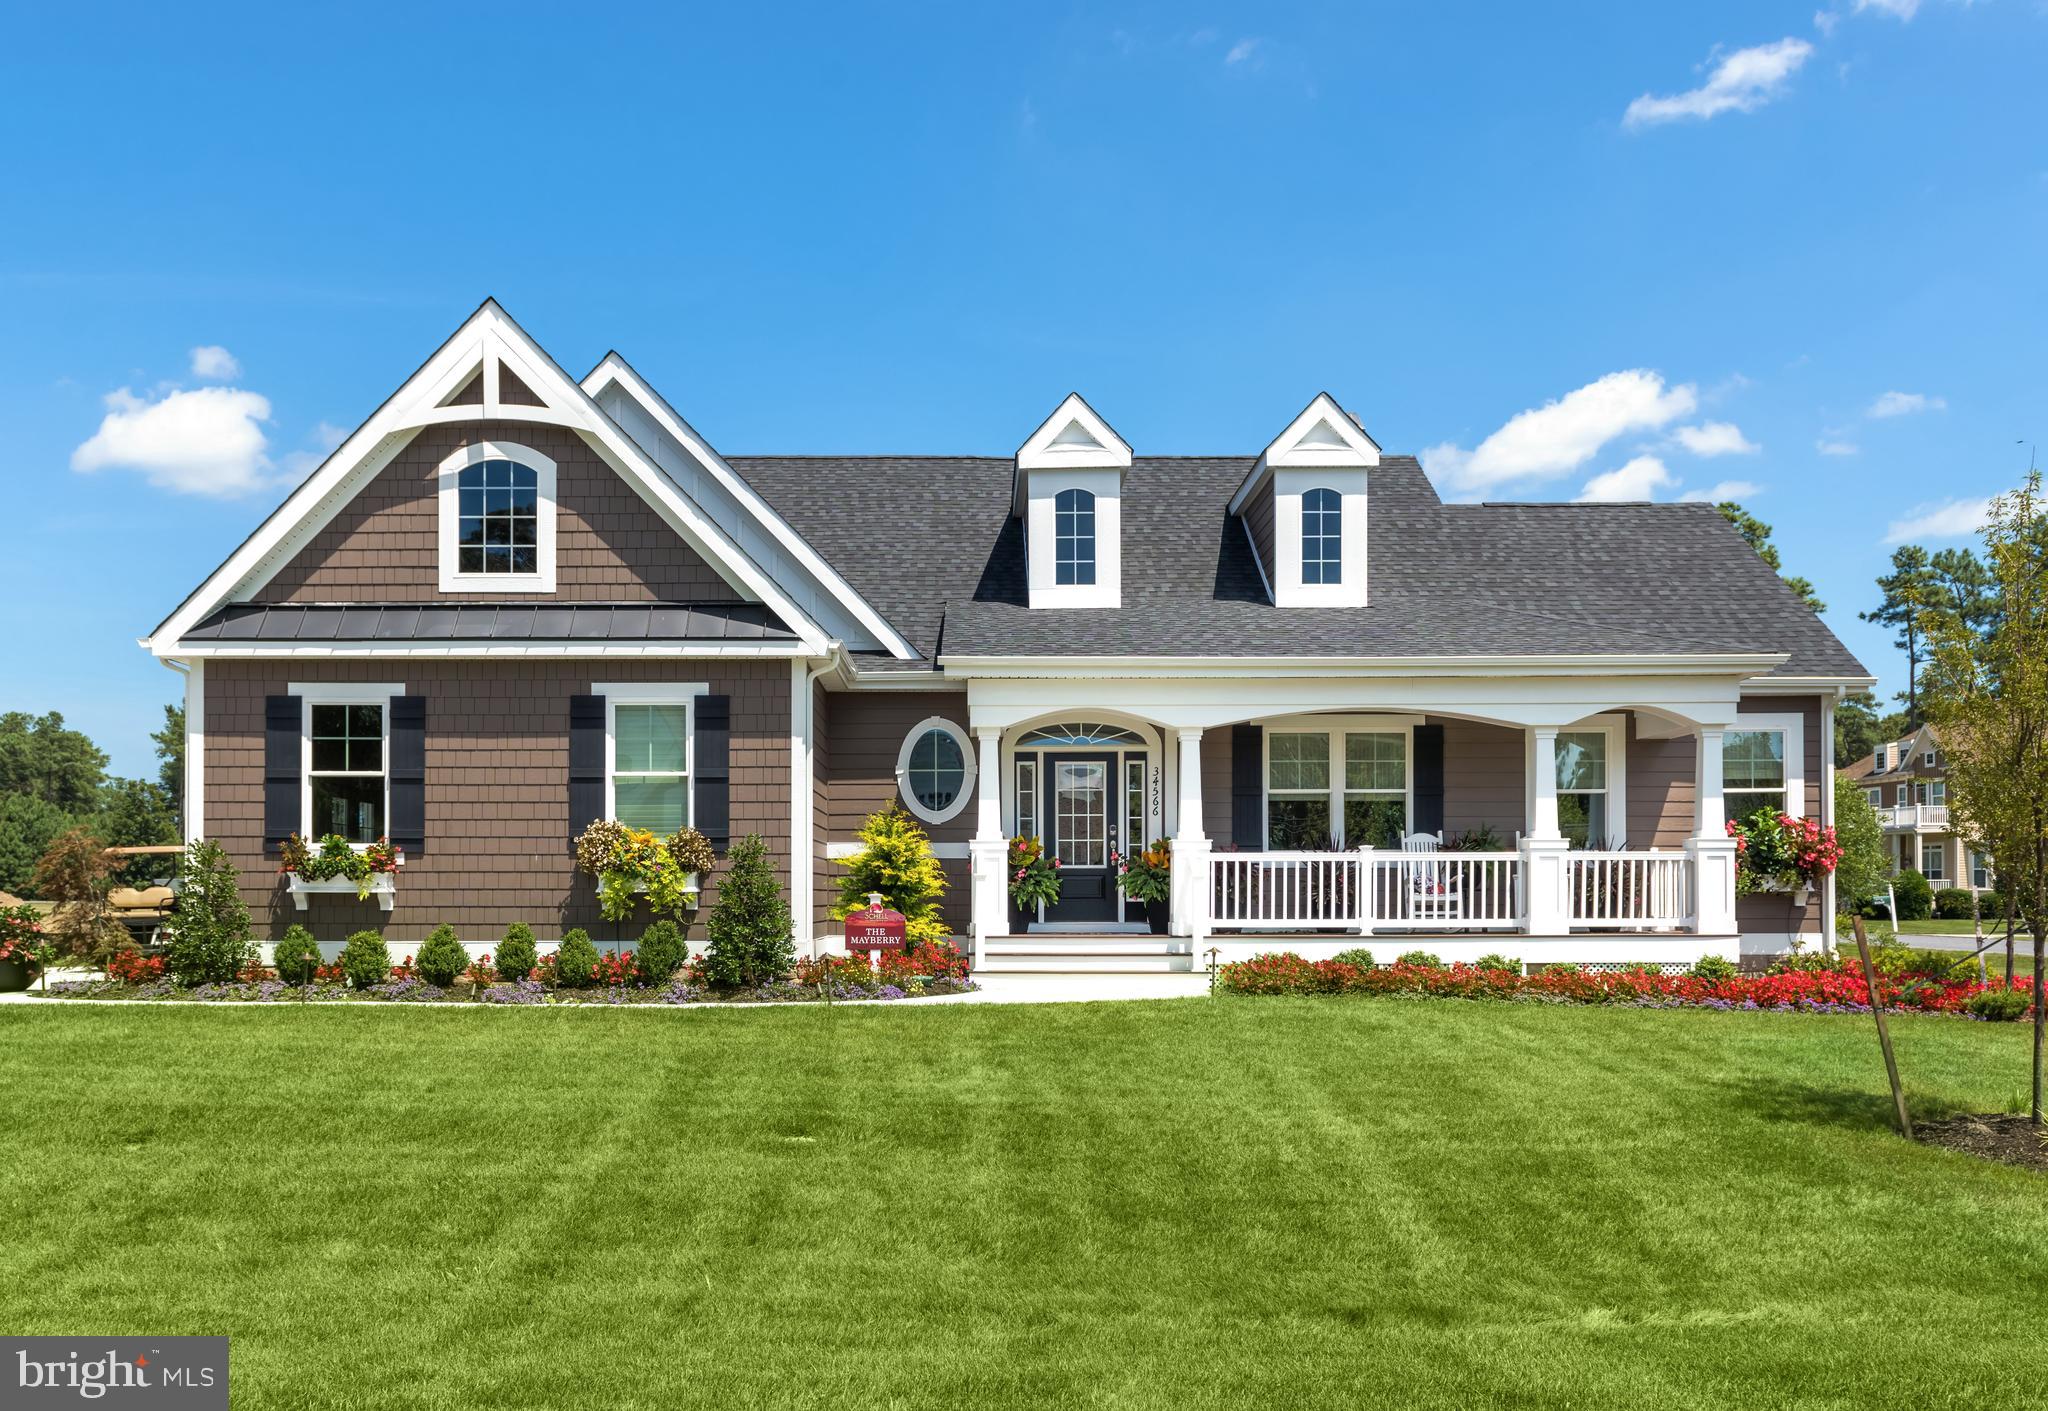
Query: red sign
{"points": [[877, 928]]}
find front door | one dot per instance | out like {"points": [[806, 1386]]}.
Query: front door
{"points": [[1080, 805]]}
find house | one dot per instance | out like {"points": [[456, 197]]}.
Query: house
{"points": [[1906, 781], [513, 602]]}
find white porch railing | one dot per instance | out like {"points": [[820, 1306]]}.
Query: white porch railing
{"points": [[1628, 890], [1367, 891], [1915, 815], [1440, 891], [1286, 891]]}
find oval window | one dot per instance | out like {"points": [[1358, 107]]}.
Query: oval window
{"points": [[935, 770]]}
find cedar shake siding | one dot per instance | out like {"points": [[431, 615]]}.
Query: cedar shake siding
{"points": [[383, 546], [498, 848], [1485, 769], [1775, 914], [867, 731]]}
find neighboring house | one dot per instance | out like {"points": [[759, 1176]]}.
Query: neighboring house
{"points": [[1906, 781], [513, 602]]}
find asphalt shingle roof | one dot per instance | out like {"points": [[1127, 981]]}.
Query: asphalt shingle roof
{"points": [[929, 540]]}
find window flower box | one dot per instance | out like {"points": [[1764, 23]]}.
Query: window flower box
{"points": [[340, 868], [632, 863], [383, 887], [691, 889]]}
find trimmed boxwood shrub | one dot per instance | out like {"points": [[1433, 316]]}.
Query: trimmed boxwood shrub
{"points": [[575, 960], [516, 957], [1357, 955], [1952, 904], [1420, 959], [1494, 960], [365, 960], [1713, 967], [296, 956], [1999, 1006], [1915, 896], [442, 958], [662, 952]]}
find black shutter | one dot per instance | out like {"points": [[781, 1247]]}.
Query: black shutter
{"points": [[407, 769], [713, 764], [586, 762], [282, 754], [1247, 788], [1429, 780]]}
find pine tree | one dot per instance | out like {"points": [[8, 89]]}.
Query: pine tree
{"points": [[209, 931], [1909, 590], [895, 859], [750, 929]]}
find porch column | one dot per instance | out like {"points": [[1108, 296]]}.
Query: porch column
{"points": [[1190, 848], [989, 851], [1711, 849], [1545, 892]]}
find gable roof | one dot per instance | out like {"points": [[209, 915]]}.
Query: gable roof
{"points": [[491, 345], [931, 541]]}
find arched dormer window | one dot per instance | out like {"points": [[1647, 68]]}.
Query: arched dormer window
{"points": [[1074, 537], [1322, 536], [497, 519]]}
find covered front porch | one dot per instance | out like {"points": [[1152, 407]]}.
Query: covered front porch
{"points": [[1575, 816]]}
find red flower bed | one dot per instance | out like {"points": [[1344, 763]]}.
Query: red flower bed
{"points": [[1832, 990]]}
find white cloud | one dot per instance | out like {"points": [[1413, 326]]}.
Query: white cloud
{"points": [[1742, 82], [1723, 490], [207, 441], [1825, 21], [1901, 10], [1829, 447], [1639, 479], [1715, 438], [1240, 51], [215, 364], [1905, 404], [1951, 519], [1559, 437]]}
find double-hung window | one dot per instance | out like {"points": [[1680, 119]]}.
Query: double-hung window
{"points": [[1753, 772], [1582, 809], [345, 782], [1980, 871], [1322, 537], [1336, 788], [1074, 537], [1932, 866], [650, 763]]}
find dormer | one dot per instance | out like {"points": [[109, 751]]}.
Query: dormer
{"points": [[1068, 487], [1304, 505]]}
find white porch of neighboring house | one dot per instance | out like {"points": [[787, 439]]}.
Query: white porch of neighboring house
{"points": [[1539, 896]]}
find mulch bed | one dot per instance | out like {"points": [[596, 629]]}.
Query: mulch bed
{"points": [[1997, 1136]]}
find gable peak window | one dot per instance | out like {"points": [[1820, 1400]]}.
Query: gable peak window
{"points": [[1074, 537], [1322, 536], [497, 519]]}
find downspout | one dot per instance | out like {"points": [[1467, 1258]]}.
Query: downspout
{"points": [[803, 862]]}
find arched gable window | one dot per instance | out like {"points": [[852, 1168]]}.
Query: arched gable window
{"points": [[1322, 537], [1074, 537], [497, 519]]}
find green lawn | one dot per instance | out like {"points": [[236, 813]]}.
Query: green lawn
{"points": [[1281, 1203]]}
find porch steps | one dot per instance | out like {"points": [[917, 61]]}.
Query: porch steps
{"points": [[1084, 955]]}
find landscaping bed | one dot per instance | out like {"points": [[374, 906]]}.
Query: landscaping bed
{"points": [[1928, 982], [2010, 1137]]}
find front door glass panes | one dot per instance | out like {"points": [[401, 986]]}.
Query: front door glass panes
{"points": [[499, 519], [1582, 787], [1027, 798], [1134, 805], [346, 772], [1081, 813], [650, 754]]}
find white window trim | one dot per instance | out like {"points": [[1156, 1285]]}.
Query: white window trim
{"points": [[1793, 725], [682, 693], [1337, 727], [1927, 760], [967, 757], [342, 693], [448, 493], [1940, 851]]}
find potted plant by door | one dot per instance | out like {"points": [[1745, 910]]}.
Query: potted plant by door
{"points": [[1034, 880], [1147, 876], [21, 947]]}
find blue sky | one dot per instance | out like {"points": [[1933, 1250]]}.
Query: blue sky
{"points": [[1795, 249]]}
